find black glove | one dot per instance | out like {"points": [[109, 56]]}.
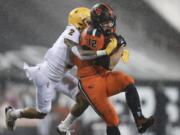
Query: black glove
{"points": [[121, 41]]}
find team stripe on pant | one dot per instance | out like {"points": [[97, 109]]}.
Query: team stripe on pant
{"points": [[88, 99]]}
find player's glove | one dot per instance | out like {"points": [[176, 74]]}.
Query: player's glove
{"points": [[121, 41]]}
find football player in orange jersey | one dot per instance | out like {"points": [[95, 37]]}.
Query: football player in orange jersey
{"points": [[97, 43]]}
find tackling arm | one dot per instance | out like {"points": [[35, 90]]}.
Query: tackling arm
{"points": [[114, 44], [79, 51], [90, 54]]}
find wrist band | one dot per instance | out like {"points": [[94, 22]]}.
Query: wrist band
{"points": [[101, 53]]}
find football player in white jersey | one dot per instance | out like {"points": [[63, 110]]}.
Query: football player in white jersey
{"points": [[52, 74]]}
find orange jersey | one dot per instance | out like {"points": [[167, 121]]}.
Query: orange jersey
{"points": [[97, 83], [91, 39]]}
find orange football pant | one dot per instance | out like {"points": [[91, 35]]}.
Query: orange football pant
{"points": [[98, 88]]}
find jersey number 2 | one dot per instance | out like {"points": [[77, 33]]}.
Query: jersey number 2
{"points": [[71, 32]]}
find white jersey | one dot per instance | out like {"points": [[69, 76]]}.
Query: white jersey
{"points": [[58, 57], [51, 75]]}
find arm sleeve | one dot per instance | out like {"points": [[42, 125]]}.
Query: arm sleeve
{"points": [[112, 45], [76, 51]]}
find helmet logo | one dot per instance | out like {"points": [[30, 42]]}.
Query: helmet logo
{"points": [[98, 11]]}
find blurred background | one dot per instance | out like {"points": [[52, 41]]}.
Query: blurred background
{"points": [[152, 31]]}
